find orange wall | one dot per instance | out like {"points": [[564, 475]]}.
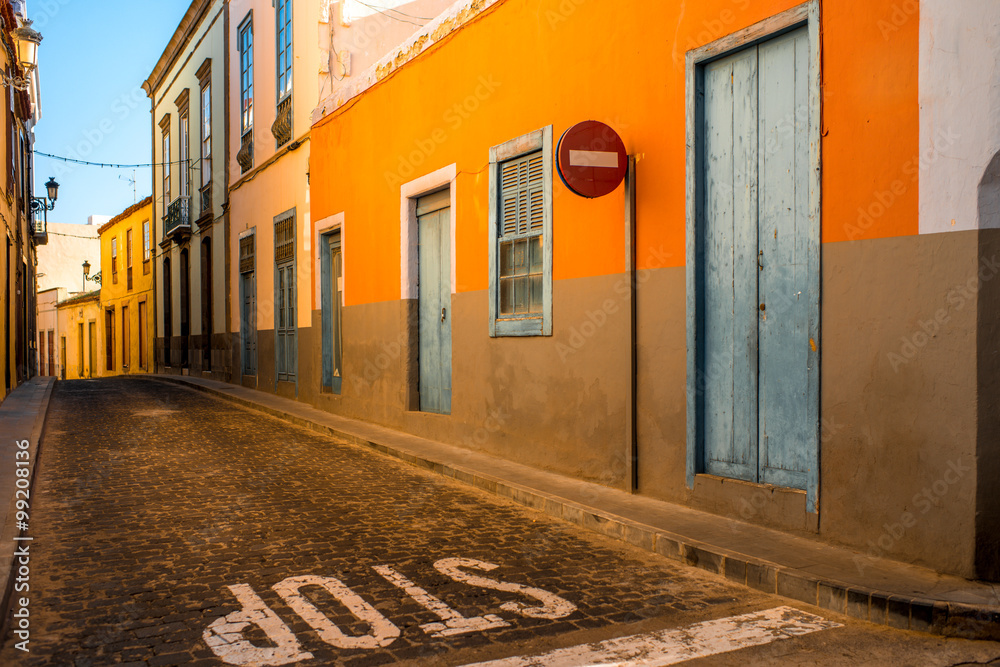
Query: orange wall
{"points": [[526, 64]]}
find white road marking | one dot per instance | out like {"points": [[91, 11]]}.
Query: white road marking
{"points": [[225, 634], [669, 647], [593, 159], [553, 606], [382, 633], [452, 623]]}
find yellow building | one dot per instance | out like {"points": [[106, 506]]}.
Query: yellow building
{"points": [[80, 340], [126, 296]]}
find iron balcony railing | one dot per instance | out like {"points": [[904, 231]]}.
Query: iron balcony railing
{"points": [[40, 231], [178, 216]]}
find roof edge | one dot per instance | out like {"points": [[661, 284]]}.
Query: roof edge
{"points": [[443, 26], [193, 17], [124, 214]]}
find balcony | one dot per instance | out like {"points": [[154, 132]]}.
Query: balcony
{"points": [[282, 127], [39, 229], [177, 222], [245, 156]]}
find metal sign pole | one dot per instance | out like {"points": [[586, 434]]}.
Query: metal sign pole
{"points": [[631, 414]]}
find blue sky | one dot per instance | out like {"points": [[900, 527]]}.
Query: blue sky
{"points": [[93, 60]]}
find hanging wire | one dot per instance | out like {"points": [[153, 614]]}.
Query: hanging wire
{"points": [[108, 164]]}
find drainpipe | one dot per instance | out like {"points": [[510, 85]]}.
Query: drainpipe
{"points": [[631, 414]]}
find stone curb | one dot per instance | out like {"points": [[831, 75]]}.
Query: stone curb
{"points": [[9, 530], [867, 604]]}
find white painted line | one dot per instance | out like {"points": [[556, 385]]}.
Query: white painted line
{"points": [[452, 623], [593, 159], [669, 647]]}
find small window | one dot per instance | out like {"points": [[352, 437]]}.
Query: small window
{"points": [[114, 260], [128, 248], [146, 247], [521, 236]]}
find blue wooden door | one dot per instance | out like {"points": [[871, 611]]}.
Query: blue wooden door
{"points": [[434, 257], [758, 267]]}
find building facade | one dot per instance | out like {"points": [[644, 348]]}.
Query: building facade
{"points": [[49, 361], [18, 257], [81, 342], [787, 312], [278, 72], [61, 259], [190, 202], [273, 69], [127, 291]]}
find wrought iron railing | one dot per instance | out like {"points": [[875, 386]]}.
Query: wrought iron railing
{"points": [[39, 229], [178, 216], [245, 155], [282, 127]]}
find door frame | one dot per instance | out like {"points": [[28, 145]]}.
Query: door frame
{"points": [[409, 236], [323, 229], [806, 14]]}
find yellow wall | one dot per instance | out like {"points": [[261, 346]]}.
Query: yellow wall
{"points": [[116, 294], [71, 315], [564, 62]]}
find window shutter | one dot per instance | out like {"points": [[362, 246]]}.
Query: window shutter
{"points": [[522, 196]]}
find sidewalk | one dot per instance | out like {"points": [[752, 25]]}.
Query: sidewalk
{"points": [[22, 415], [884, 592]]}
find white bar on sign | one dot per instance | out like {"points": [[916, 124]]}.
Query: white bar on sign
{"points": [[669, 647], [593, 159]]}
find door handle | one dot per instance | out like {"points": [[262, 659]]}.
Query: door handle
{"points": [[443, 312]]}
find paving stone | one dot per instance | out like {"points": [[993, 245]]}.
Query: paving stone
{"points": [[153, 499]]}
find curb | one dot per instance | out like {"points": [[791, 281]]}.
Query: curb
{"points": [[867, 604], [8, 532]]}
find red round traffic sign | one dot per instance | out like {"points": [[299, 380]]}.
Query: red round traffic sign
{"points": [[592, 159]]}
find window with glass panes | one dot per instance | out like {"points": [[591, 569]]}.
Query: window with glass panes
{"points": [[245, 41], [522, 221], [520, 227], [286, 350], [206, 135], [283, 15]]}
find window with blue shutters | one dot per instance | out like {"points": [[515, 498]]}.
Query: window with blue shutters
{"points": [[521, 236]]}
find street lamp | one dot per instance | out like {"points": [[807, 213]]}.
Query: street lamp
{"points": [[39, 203], [28, 40]]}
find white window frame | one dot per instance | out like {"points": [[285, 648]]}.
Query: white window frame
{"points": [[539, 140]]}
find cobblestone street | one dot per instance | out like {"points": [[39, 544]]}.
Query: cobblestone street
{"points": [[152, 500]]}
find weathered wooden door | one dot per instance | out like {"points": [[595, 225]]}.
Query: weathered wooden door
{"points": [[759, 266], [92, 326], [248, 322], [434, 257], [126, 340]]}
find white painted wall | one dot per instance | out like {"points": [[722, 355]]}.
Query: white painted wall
{"points": [[60, 261], [959, 110]]}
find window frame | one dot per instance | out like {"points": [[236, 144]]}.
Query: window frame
{"points": [[286, 301], [333, 339], [165, 162], [283, 74], [147, 246], [245, 49], [539, 140], [114, 260]]}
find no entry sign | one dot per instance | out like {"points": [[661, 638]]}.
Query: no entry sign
{"points": [[592, 159]]}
